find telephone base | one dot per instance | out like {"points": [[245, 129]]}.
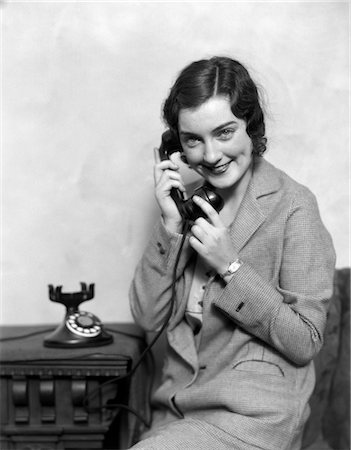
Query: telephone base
{"points": [[79, 344], [62, 338]]}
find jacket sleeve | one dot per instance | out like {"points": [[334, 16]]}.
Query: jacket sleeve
{"points": [[151, 288], [291, 317]]}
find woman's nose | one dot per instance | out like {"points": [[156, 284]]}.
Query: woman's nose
{"points": [[211, 153]]}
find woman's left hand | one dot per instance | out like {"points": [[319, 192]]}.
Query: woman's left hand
{"points": [[211, 239]]}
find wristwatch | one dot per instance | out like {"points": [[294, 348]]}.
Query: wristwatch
{"points": [[232, 268]]}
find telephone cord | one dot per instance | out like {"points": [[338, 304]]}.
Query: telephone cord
{"points": [[147, 350]]}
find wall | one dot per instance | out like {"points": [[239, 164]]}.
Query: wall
{"points": [[82, 88]]}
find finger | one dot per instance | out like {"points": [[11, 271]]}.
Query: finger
{"points": [[162, 167], [158, 159], [172, 174], [204, 225], [163, 176], [198, 232], [208, 209], [176, 184], [174, 157], [166, 183], [167, 176], [197, 246], [167, 164]]}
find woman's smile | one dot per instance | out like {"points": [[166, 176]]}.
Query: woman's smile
{"points": [[218, 169]]}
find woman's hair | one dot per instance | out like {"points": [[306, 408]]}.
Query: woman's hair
{"points": [[203, 79]]}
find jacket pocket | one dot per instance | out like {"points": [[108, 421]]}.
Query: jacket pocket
{"points": [[260, 359], [259, 366]]}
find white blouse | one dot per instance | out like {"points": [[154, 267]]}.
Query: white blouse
{"points": [[193, 312]]}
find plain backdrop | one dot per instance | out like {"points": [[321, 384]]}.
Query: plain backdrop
{"points": [[82, 88]]}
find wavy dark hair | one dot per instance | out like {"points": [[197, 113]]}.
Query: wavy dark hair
{"points": [[220, 75]]}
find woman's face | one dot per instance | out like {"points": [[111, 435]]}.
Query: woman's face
{"points": [[215, 143]]}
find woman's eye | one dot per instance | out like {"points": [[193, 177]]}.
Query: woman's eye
{"points": [[226, 133], [192, 142]]}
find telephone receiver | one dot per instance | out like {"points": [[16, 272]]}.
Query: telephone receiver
{"points": [[79, 328], [188, 209]]}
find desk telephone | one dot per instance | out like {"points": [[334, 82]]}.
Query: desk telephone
{"points": [[79, 328], [187, 208]]}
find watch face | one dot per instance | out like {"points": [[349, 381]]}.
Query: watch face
{"points": [[233, 267]]}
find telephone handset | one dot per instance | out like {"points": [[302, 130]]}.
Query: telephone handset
{"points": [[79, 328], [187, 208]]}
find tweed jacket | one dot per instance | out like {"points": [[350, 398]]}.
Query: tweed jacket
{"points": [[250, 373]]}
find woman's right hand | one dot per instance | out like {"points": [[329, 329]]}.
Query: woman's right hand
{"points": [[167, 176]]}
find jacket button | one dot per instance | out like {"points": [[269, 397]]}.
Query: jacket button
{"points": [[160, 248], [240, 306]]}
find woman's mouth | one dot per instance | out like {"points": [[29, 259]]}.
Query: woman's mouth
{"points": [[217, 170]]}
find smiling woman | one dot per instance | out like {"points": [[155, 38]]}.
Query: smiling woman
{"points": [[253, 281]]}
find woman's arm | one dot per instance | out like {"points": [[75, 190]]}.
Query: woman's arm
{"points": [[151, 289], [290, 317]]}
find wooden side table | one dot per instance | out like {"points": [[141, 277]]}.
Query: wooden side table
{"points": [[61, 398]]}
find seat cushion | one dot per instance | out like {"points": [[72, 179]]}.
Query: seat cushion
{"points": [[325, 364], [336, 420]]}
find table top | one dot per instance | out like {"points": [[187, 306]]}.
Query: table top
{"points": [[25, 343]]}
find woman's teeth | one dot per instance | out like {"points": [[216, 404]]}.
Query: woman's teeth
{"points": [[217, 170]]}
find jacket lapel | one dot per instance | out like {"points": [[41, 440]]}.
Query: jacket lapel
{"points": [[248, 220], [182, 340], [250, 214]]}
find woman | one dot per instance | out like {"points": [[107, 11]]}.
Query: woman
{"points": [[253, 281]]}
